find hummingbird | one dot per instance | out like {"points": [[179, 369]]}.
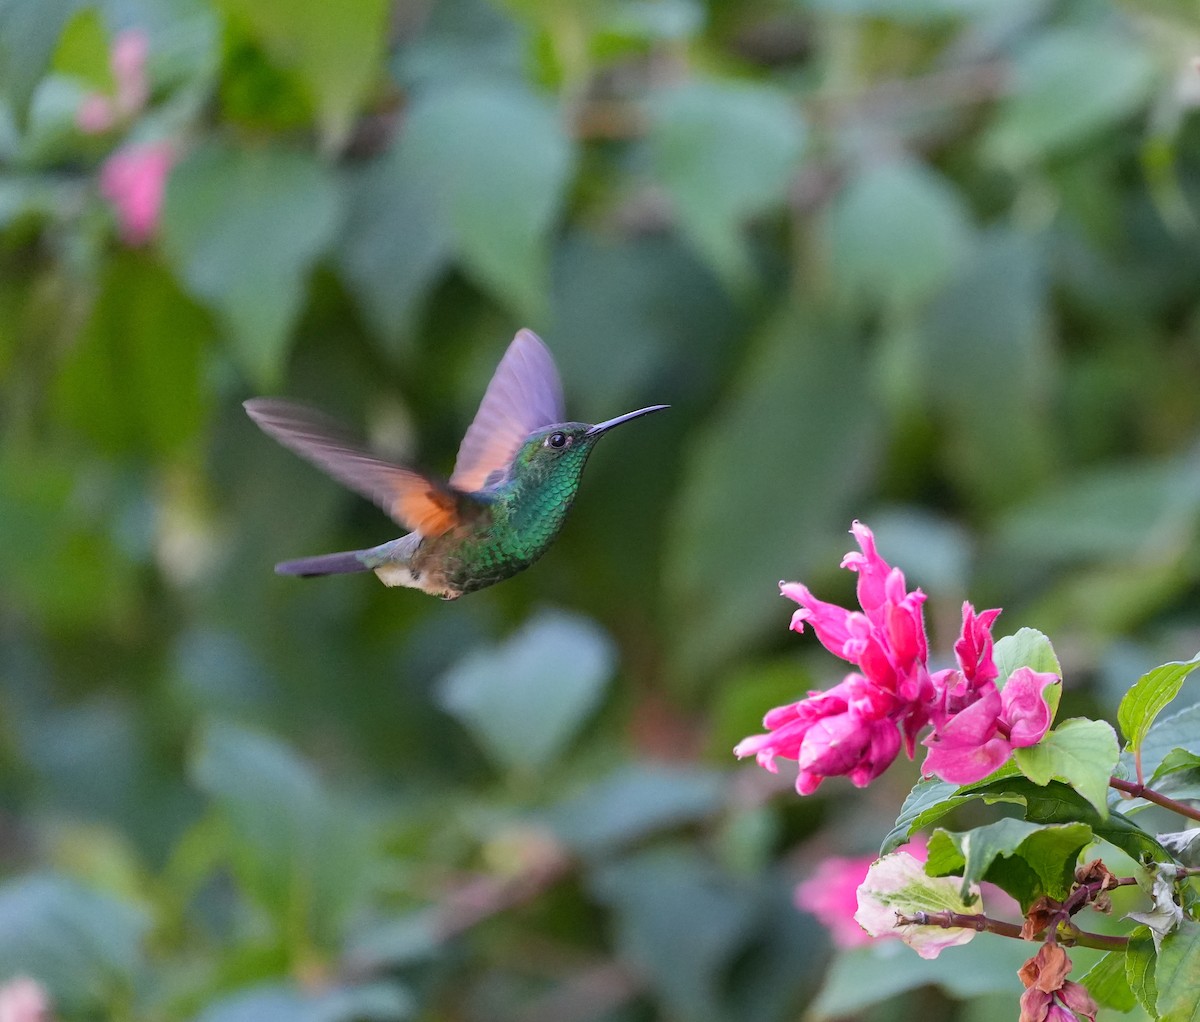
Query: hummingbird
{"points": [[514, 480]]}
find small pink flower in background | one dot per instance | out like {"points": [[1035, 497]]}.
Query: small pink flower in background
{"points": [[134, 180], [855, 729], [831, 894], [99, 113], [24, 1000]]}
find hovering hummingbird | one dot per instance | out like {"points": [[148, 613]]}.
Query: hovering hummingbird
{"points": [[515, 478]]}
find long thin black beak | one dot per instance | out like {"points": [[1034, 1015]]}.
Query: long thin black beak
{"points": [[604, 427]]}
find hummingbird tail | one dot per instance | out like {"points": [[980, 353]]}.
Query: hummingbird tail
{"points": [[325, 564]]}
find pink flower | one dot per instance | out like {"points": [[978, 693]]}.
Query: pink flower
{"points": [[134, 179], [831, 894], [23, 1000], [976, 725], [99, 113], [855, 728]]}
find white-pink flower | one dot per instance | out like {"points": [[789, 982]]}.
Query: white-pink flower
{"points": [[98, 112]]}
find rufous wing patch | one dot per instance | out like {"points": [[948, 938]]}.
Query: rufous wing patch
{"points": [[425, 508]]}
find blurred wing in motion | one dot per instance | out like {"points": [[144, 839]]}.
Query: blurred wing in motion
{"points": [[524, 395], [417, 502]]}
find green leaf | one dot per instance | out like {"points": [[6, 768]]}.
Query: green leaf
{"points": [[929, 800], [336, 50], [133, 383], [526, 698], [680, 919], [1056, 802], [1081, 752], [1025, 859], [386, 1002], [1069, 85], [868, 975], [495, 163], [1149, 696], [793, 384], [83, 51], [897, 232], [243, 228], [1107, 982], [394, 243], [1177, 974], [1180, 731], [29, 33], [1141, 960], [1027, 647], [724, 151], [297, 849], [83, 946], [634, 801]]}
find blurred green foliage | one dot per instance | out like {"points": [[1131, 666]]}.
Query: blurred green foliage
{"points": [[930, 263]]}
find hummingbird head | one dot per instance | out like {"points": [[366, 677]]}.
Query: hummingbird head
{"points": [[562, 449]]}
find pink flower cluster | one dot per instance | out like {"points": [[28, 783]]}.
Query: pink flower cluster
{"points": [[134, 178], [856, 728]]}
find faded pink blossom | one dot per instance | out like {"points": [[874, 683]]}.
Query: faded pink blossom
{"points": [[1050, 996], [99, 113], [831, 894], [895, 886], [23, 1000], [134, 179]]}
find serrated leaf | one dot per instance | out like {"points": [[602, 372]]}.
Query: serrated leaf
{"points": [[1107, 982], [526, 698], [1057, 802], [928, 801], [242, 228], [1140, 963], [1149, 696], [495, 162], [336, 50], [1068, 85], [1180, 731], [897, 231], [1177, 975], [1081, 752], [1025, 859], [725, 152]]}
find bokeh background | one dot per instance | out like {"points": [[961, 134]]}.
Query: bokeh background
{"points": [[934, 264]]}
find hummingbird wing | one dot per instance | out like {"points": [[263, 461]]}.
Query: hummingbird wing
{"points": [[416, 501], [524, 395]]}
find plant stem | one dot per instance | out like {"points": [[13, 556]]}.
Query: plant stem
{"points": [[982, 924], [1136, 790]]}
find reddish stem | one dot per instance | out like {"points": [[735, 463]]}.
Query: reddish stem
{"points": [[1137, 790]]}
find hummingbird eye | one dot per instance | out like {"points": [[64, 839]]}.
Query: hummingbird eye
{"points": [[557, 440]]}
